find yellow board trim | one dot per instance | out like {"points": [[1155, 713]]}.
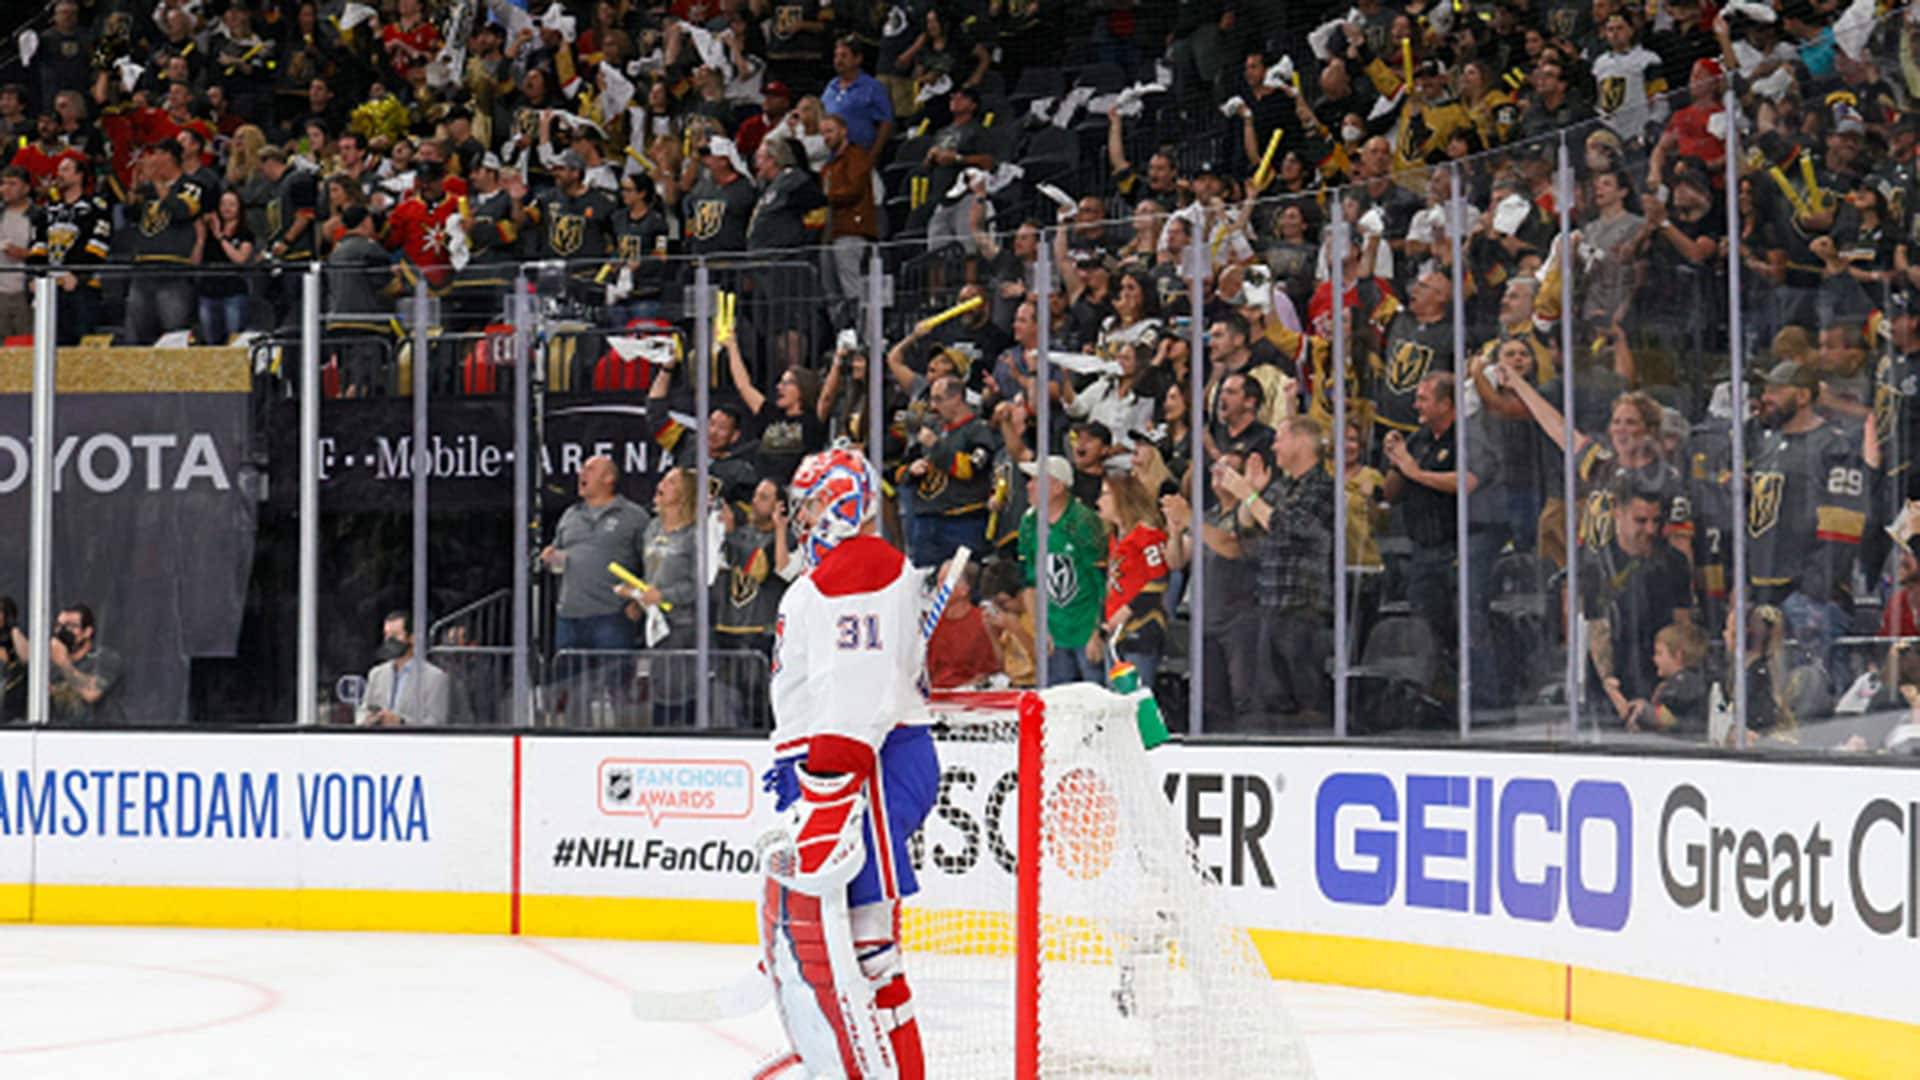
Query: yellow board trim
{"points": [[1797, 1035], [278, 909]]}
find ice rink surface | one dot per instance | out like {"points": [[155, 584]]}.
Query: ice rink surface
{"points": [[80, 1003]]}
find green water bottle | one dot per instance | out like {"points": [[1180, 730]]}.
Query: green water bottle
{"points": [[1125, 679]]}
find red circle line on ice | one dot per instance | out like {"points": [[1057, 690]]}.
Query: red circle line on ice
{"points": [[266, 999]]}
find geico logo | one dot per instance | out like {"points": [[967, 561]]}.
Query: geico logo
{"points": [[1781, 874], [106, 462], [1361, 845]]}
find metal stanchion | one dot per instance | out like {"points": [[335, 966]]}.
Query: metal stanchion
{"points": [[422, 467], [46, 329], [1042, 493], [1737, 372], [1462, 526], [1337, 371], [703, 464], [876, 361], [1569, 478], [307, 679], [520, 313], [1197, 428]]}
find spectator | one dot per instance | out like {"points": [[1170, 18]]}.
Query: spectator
{"points": [[1424, 477], [949, 468], [759, 563], [1230, 628], [603, 527], [859, 100], [847, 185], [1118, 401], [788, 424], [1009, 620], [1091, 446], [1133, 626], [1231, 352], [1076, 547], [66, 52], [960, 145], [1632, 586], [358, 272], [165, 208], [16, 246], [402, 689], [74, 230], [788, 195], [226, 254], [665, 606], [1293, 512], [13, 663], [962, 651], [641, 243], [1678, 704], [1236, 431], [1805, 511], [1767, 715], [87, 676], [716, 212]]}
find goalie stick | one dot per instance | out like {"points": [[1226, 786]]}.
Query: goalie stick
{"points": [[751, 993]]}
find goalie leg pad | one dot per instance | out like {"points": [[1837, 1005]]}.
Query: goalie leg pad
{"points": [[825, 999], [876, 934]]}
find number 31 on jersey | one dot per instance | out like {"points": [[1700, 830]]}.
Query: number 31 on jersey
{"points": [[858, 632]]}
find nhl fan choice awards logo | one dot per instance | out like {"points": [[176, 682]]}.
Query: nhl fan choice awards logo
{"points": [[662, 788]]}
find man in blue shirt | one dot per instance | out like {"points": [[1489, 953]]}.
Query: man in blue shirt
{"points": [[859, 99]]}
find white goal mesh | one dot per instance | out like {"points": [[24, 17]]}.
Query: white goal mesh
{"points": [[1137, 969]]}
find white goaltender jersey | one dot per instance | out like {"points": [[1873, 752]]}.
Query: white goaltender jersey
{"points": [[848, 658]]}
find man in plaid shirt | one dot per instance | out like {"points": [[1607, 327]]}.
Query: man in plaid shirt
{"points": [[1292, 510]]}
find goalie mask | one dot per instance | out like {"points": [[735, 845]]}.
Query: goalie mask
{"points": [[835, 493]]}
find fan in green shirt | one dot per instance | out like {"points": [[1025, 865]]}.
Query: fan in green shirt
{"points": [[1076, 548]]}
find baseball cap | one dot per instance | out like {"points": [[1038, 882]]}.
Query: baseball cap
{"points": [[776, 88], [568, 159], [430, 170], [1057, 469], [1791, 373]]}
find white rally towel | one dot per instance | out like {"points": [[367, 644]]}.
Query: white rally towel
{"points": [[1060, 198], [616, 91], [356, 14], [1082, 363]]}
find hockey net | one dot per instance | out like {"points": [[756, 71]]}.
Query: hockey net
{"points": [[1075, 934]]}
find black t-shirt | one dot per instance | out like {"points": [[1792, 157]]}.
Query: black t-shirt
{"points": [[716, 216], [785, 440], [1637, 595], [222, 280]]}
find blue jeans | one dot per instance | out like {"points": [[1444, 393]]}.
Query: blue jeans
{"points": [[933, 538], [221, 317], [1072, 665], [614, 631]]}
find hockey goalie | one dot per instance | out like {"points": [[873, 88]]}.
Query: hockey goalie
{"points": [[856, 773]]}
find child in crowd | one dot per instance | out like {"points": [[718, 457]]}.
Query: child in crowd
{"points": [[1678, 704]]}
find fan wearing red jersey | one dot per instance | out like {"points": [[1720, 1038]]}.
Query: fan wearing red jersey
{"points": [[855, 765]]}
